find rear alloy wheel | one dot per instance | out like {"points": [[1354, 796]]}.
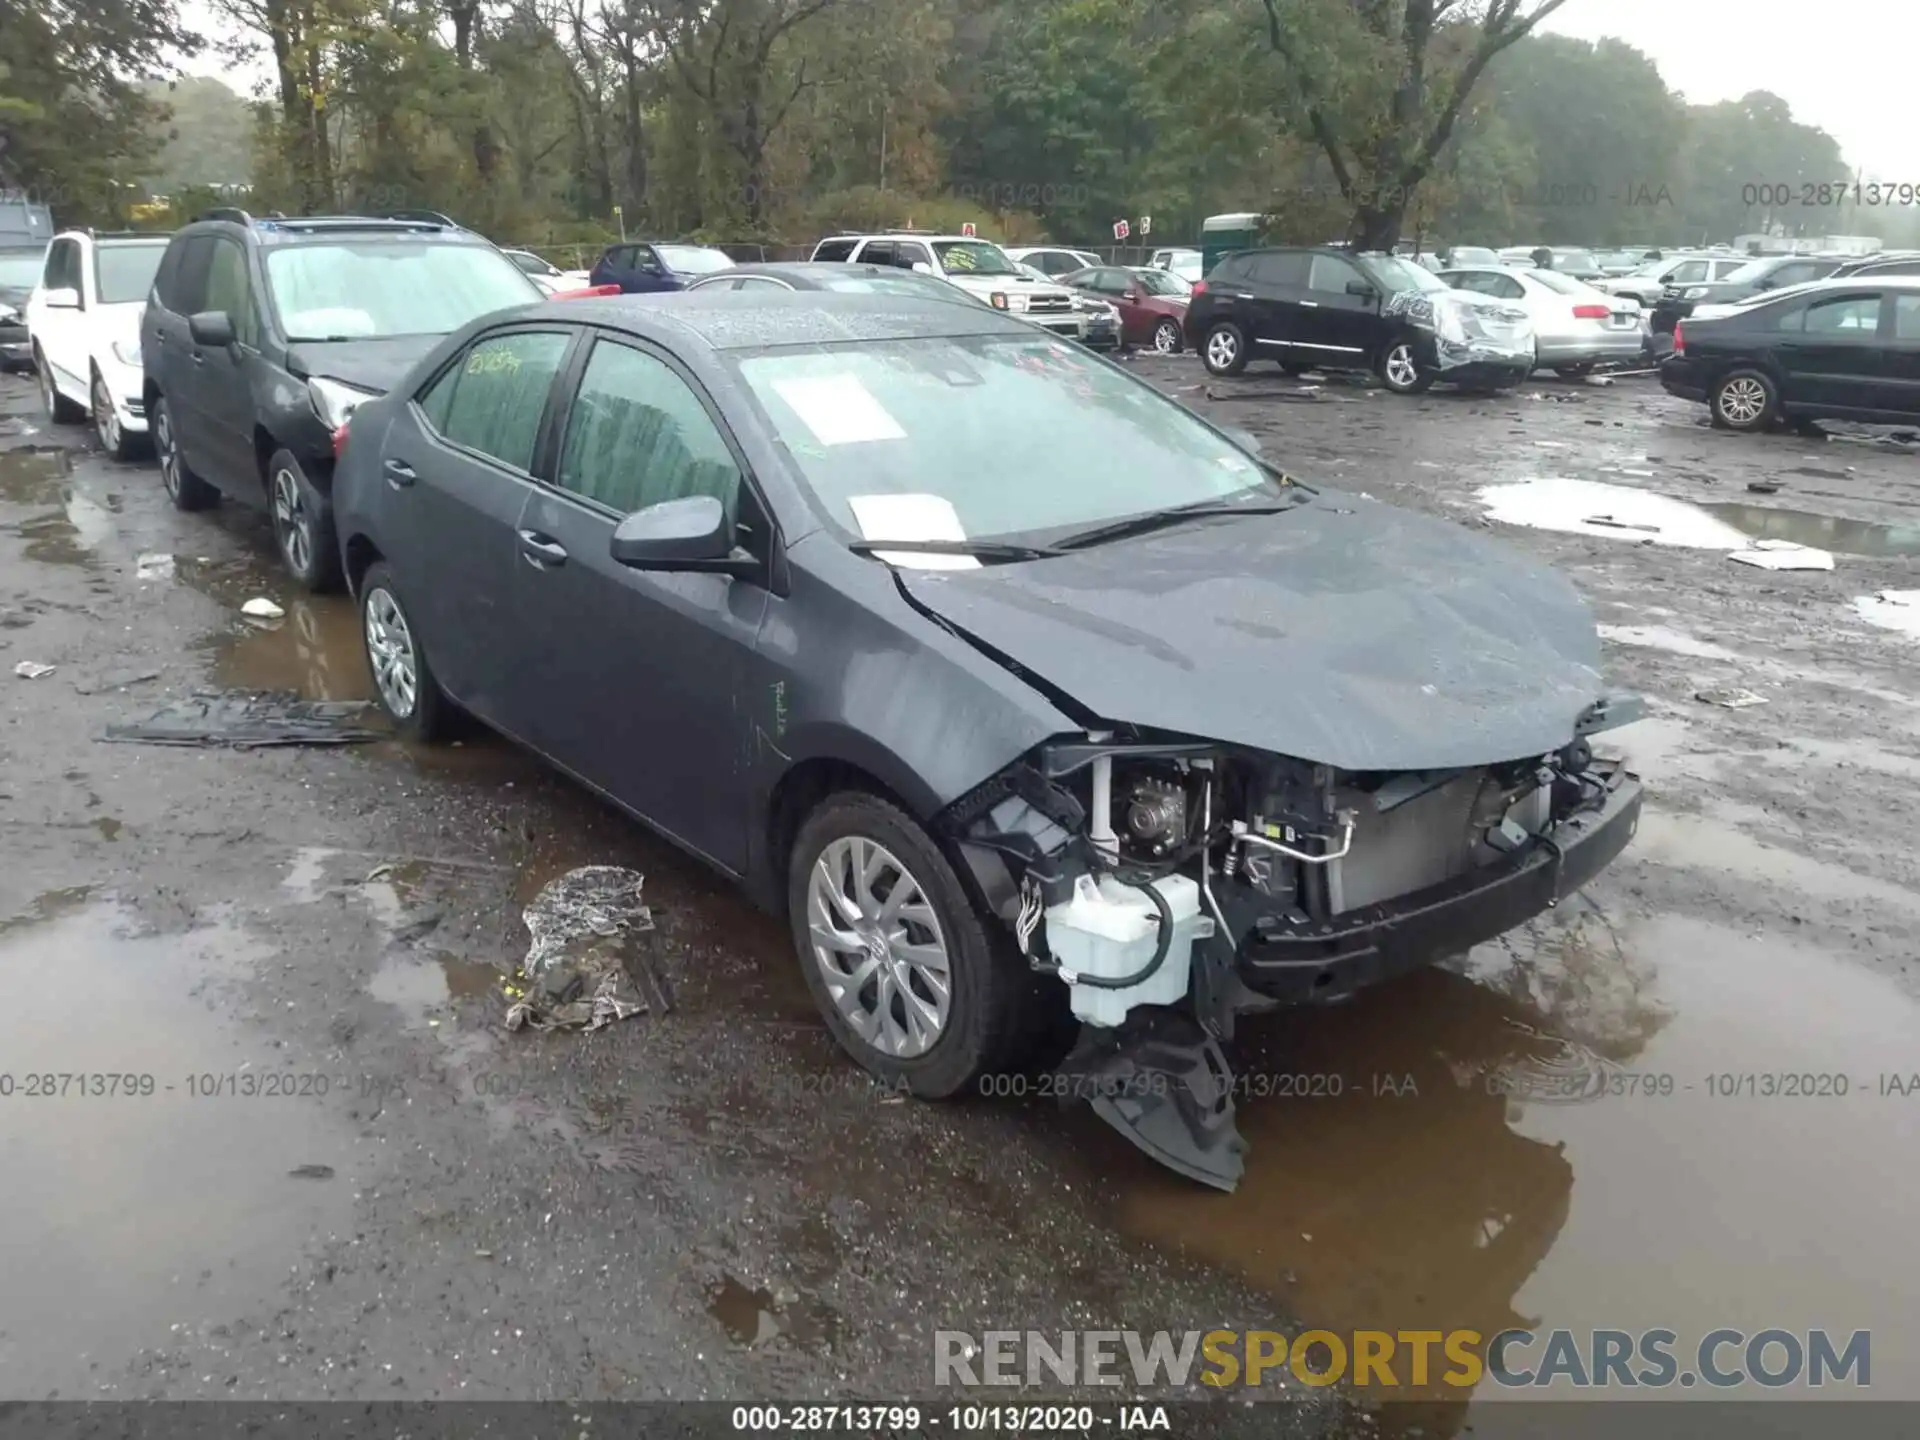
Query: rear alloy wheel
{"points": [[1400, 370], [186, 489], [402, 680], [1744, 400], [60, 410], [1224, 351], [106, 424], [1166, 337], [302, 525], [905, 972]]}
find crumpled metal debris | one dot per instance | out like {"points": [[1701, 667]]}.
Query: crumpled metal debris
{"points": [[1729, 697], [32, 669], [574, 976], [247, 720]]}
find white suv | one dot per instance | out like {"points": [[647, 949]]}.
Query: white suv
{"points": [[979, 267], [83, 323]]}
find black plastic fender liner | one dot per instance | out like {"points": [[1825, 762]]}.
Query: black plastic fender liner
{"points": [[1165, 1084]]}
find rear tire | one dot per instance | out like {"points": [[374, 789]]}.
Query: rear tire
{"points": [[1744, 400], [873, 965], [60, 410], [403, 682], [1167, 339], [1224, 350], [302, 525], [186, 489]]}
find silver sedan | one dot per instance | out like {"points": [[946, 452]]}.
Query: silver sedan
{"points": [[1576, 326]]}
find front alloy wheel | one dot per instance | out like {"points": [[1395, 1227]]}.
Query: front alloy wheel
{"points": [[106, 423], [291, 522], [1400, 370], [402, 680], [186, 489], [59, 409], [302, 524], [879, 947]]}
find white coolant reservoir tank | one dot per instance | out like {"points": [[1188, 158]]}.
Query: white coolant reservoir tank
{"points": [[1109, 930]]}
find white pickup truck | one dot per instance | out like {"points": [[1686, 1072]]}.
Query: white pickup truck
{"points": [[979, 267]]}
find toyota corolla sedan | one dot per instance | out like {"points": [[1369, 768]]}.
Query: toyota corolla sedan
{"points": [[1028, 696]]}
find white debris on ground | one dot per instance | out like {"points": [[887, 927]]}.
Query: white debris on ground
{"points": [[153, 567], [1783, 555], [1892, 610], [261, 608], [574, 976], [1612, 512], [32, 669], [1730, 697]]}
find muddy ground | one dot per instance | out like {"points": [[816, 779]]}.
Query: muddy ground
{"points": [[706, 1201]]}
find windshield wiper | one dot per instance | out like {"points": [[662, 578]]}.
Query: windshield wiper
{"points": [[1164, 519], [978, 549]]}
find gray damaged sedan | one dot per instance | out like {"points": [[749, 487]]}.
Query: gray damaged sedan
{"points": [[1030, 697]]}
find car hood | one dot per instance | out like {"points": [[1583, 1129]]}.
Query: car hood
{"points": [[1006, 284], [1345, 632], [373, 365]]}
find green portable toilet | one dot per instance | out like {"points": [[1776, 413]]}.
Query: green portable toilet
{"points": [[1223, 234]]}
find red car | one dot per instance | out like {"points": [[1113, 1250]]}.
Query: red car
{"points": [[1152, 303]]}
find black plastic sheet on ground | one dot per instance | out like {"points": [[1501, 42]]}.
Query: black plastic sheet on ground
{"points": [[249, 720]]}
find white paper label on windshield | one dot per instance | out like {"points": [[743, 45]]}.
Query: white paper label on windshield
{"points": [[911, 517], [838, 409]]}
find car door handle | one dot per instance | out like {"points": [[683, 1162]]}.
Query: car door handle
{"points": [[398, 473], [1309, 304], [542, 551], [198, 358]]}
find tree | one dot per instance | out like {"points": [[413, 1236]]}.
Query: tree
{"points": [[1380, 85]]}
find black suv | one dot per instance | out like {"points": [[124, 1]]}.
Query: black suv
{"points": [[1329, 309], [262, 336]]}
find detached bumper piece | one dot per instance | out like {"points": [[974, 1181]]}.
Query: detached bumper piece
{"points": [[1164, 1083], [1294, 960]]}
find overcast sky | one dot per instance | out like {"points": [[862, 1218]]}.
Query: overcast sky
{"points": [[1849, 66]]}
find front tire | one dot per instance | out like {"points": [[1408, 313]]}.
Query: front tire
{"points": [[1745, 400], [302, 525], [1400, 369], [106, 424], [186, 489], [1166, 337], [60, 410], [403, 682], [1224, 350], [911, 980]]}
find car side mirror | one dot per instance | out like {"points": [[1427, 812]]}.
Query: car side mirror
{"points": [[921, 267], [1361, 288], [689, 534], [64, 298], [212, 328]]}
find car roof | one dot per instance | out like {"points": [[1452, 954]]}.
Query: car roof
{"points": [[812, 270], [302, 229], [757, 319], [114, 237], [921, 235]]}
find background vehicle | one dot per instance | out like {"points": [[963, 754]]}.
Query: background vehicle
{"points": [[1773, 272], [1575, 326], [1673, 271], [639, 268], [20, 268], [1335, 309], [1185, 263], [24, 225], [263, 337], [1051, 260], [823, 275], [1903, 262], [1457, 255], [1845, 349], [979, 267], [84, 321], [808, 497], [549, 277], [1152, 304]]}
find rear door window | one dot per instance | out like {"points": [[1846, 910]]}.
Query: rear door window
{"points": [[877, 252], [1689, 272], [637, 434], [491, 400], [1283, 269], [908, 253], [1844, 317], [1906, 317]]}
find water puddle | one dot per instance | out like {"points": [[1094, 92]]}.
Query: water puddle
{"points": [[315, 651], [755, 1317], [1565, 1136], [30, 476], [1821, 532], [1612, 512], [73, 534], [153, 1187], [424, 988]]}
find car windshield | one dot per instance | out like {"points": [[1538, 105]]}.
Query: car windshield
{"points": [[1397, 274], [1656, 269], [348, 290], [988, 437], [1575, 260], [1752, 270], [529, 262], [1162, 282], [20, 269], [123, 273], [973, 257], [1472, 255], [694, 259]]}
